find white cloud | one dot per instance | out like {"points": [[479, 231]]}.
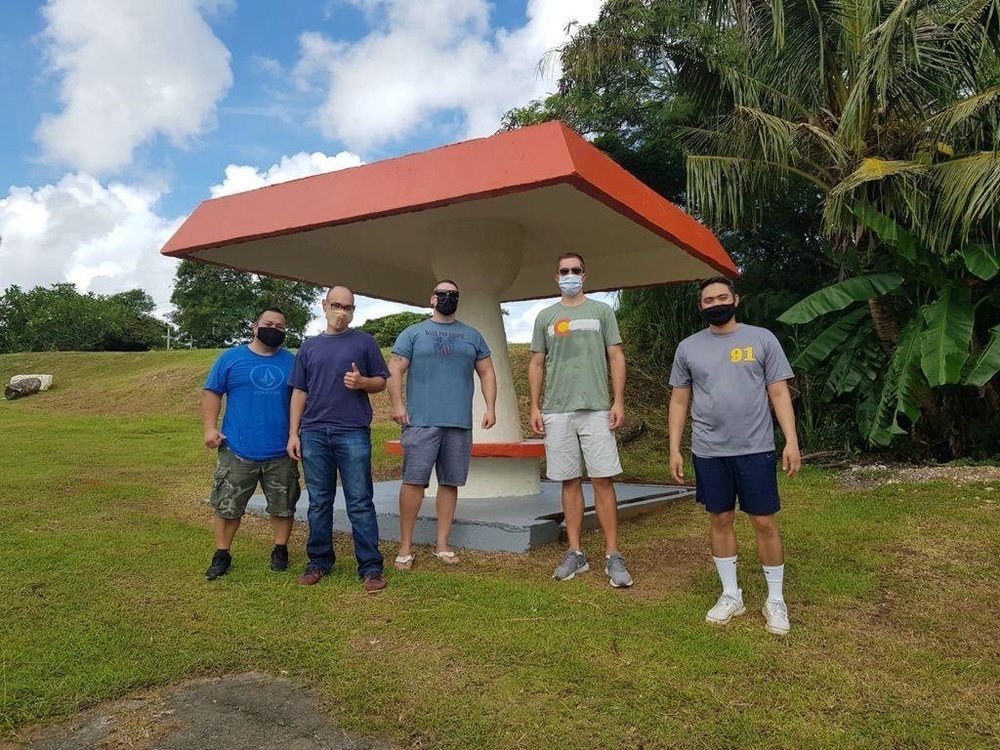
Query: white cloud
{"points": [[430, 60], [106, 238], [103, 239], [240, 178], [520, 318], [130, 71]]}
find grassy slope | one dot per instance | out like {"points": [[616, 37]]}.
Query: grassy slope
{"points": [[892, 595]]}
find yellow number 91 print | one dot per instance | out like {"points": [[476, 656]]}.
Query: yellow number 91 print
{"points": [[742, 355]]}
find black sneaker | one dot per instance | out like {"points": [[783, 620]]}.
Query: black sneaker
{"points": [[279, 558], [221, 561]]}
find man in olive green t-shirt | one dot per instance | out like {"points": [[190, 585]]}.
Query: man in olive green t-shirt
{"points": [[574, 343]]}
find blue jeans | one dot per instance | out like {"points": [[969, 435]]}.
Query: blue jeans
{"points": [[324, 453]]}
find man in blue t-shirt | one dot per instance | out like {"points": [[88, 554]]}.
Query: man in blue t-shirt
{"points": [[330, 430], [439, 357], [251, 444], [731, 375]]}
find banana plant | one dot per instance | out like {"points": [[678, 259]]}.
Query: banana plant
{"points": [[937, 347]]}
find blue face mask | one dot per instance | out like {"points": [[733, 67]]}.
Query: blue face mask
{"points": [[570, 285]]}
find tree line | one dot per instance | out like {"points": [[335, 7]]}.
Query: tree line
{"points": [[214, 308]]}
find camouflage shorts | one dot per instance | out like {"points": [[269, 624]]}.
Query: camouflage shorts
{"points": [[236, 479]]}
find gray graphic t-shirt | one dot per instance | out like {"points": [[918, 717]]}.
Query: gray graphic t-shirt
{"points": [[440, 381], [728, 375]]}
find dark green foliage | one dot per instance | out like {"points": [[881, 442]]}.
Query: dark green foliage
{"points": [[59, 318], [653, 321], [217, 307], [781, 125], [387, 328], [934, 385]]}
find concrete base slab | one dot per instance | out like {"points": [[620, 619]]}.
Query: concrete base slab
{"points": [[507, 524]]}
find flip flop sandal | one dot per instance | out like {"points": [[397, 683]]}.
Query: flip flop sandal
{"points": [[405, 562], [448, 557]]}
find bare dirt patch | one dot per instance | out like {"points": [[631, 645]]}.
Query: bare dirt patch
{"points": [[876, 475], [238, 712]]}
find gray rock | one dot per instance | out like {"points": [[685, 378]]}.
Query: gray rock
{"points": [[23, 387], [46, 380]]}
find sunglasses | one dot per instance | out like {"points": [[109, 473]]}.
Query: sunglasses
{"points": [[337, 307], [575, 270], [446, 294]]}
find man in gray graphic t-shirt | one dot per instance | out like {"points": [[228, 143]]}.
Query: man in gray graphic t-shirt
{"points": [[731, 375]]}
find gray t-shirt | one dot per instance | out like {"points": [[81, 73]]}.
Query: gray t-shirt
{"points": [[728, 375], [575, 343]]}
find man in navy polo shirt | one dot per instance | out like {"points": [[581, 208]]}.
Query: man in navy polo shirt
{"points": [[330, 430]]}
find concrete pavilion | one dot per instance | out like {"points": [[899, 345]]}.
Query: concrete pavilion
{"points": [[493, 214]]}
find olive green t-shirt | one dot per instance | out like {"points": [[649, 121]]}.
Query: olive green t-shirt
{"points": [[575, 341]]}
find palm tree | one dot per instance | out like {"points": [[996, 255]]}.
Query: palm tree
{"points": [[883, 108]]}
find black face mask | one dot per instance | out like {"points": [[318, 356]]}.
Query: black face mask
{"points": [[270, 336], [446, 305], [718, 315]]}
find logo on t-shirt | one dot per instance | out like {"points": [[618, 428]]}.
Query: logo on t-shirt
{"points": [[564, 326], [744, 354], [266, 377], [444, 341]]}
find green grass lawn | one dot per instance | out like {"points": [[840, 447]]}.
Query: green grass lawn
{"points": [[892, 593]]}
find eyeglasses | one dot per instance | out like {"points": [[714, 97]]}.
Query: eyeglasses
{"points": [[575, 270], [337, 307], [446, 294]]}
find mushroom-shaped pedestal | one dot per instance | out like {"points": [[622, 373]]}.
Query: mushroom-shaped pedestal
{"points": [[492, 214]]}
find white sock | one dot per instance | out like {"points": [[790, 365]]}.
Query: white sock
{"points": [[774, 575], [727, 574]]}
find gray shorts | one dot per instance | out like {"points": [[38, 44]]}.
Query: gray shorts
{"points": [[575, 435], [449, 449], [236, 479]]}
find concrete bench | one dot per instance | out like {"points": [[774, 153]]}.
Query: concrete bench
{"points": [[497, 469], [523, 449]]}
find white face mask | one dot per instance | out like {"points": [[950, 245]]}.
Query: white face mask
{"points": [[570, 285]]}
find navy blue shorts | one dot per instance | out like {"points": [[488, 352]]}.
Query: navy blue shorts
{"points": [[752, 478]]}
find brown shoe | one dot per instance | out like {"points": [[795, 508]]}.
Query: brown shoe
{"points": [[373, 583], [311, 576]]}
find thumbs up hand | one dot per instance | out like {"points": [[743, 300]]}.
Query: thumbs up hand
{"points": [[353, 379]]}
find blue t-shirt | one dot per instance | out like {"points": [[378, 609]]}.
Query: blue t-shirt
{"points": [[319, 370], [257, 395], [440, 382]]}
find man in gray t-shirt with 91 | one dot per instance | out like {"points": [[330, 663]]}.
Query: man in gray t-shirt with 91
{"points": [[731, 374]]}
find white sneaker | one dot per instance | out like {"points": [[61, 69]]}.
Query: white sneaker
{"points": [[776, 614], [726, 608]]}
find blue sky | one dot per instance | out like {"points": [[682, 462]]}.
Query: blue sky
{"points": [[120, 116]]}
